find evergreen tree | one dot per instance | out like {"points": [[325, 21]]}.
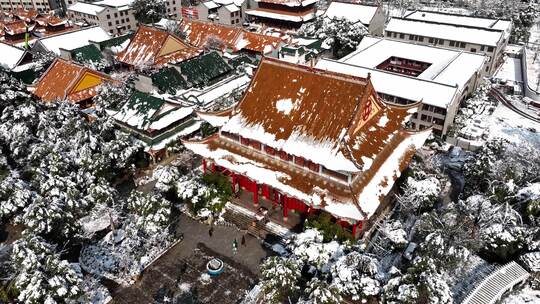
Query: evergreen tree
{"points": [[149, 11]]}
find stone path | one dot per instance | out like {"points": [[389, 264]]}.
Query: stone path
{"points": [[184, 264]]}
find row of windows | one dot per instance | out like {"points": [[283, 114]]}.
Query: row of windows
{"points": [[299, 161], [451, 43], [119, 21], [433, 109]]}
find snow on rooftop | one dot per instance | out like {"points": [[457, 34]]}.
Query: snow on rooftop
{"points": [[445, 31], [232, 8], [86, 8], [447, 66], [486, 23], [414, 89], [510, 70], [217, 90], [354, 12], [384, 179], [74, 39], [210, 4], [115, 3], [11, 55], [274, 15]]}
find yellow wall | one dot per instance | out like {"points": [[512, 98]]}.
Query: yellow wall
{"points": [[171, 45], [87, 81]]}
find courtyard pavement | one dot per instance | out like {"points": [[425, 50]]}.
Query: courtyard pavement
{"points": [[183, 266]]}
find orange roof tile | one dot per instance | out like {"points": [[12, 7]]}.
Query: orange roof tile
{"points": [[148, 43], [260, 43], [16, 27], [58, 82], [198, 32]]}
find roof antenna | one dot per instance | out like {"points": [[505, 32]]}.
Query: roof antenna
{"points": [[368, 75]]}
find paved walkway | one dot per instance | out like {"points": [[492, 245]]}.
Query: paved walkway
{"points": [[196, 248]]}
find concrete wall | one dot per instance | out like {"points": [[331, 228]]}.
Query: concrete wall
{"points": [[376, 26]]}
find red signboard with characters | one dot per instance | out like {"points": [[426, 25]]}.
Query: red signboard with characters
{"points": [[190, 12]]}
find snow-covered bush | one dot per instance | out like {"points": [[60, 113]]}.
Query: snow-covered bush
{"points": [[394, 235], [353, 275], [41, 276], [111, 96], [122, 255]]}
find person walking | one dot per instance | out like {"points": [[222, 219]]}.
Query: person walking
{"points": [[243, 242], [235, 246]]}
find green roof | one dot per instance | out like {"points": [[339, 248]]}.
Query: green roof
{"points": [[236, 62], [169, 80], [204, 69], [88, 53], [115, 41]]}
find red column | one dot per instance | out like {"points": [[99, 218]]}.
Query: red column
{"points": [[354, 230], [285, 207], [255, 189], [233, 183], [213, 167], [204, 165]]}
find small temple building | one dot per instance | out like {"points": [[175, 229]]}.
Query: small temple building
{"points": [[312, 141], [68, 81], [283, 13]]}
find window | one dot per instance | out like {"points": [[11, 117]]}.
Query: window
{"points": [[421, 38], [232, 15], [490, 49], [402, 36], [430, 40], [313, 166], [462, 45], [255, 144], [129, 27], [473, 50], [388, 34], [244, 141], [110, 23], [269, 150], [482, 48], [108, 16], [115, 15], [299, 161], [451, 43], [117, 22], [441, 41], [411, 37]]}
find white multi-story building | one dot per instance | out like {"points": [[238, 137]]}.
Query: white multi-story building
{"points": [[114, 16], [405, 73], [38, 5], [487, 41]]}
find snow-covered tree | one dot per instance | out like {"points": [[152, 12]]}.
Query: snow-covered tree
{"points": [[320, 292], [353, 275], [420, 284], [419, 194], [41, 276], [111, 96], [340, 34], [153, 211], [149, 11], [279, 277]]}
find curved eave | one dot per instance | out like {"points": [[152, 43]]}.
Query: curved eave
{"points": [[216, 119]]}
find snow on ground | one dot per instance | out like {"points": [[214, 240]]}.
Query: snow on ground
{"points": [[513, 127], [533, 66], [525, 295]]}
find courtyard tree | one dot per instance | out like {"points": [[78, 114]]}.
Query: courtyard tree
{"points": [[279, 278], [149, 11]]}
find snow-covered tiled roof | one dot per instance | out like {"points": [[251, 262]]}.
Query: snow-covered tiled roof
{"points": [[354, 12], [445, 31], [447, 66], [328, 118], [74, 39], [410, 88], [86, 8], [147, 48], [10, 55], [291, 3]]}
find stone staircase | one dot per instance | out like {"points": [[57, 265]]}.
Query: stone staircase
{"points": [[245, 219]]}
